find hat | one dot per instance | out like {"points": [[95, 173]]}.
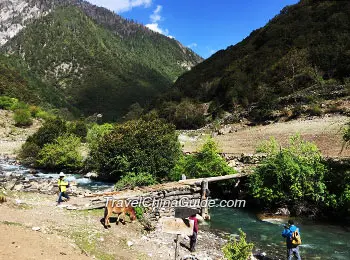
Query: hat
{"points": [[62, 174]]}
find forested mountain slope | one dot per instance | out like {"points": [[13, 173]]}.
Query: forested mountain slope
{"points": [[97, 61], [301, 56]]}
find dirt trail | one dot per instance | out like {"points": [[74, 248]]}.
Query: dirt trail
{"points": [[17, 242], [326, 132], [74, 234], [12, 137]]}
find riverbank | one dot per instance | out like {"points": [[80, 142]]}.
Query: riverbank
{"points": [[82, 231]]}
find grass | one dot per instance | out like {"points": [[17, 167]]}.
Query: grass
{"points": [[90, 246], [9, 223]]}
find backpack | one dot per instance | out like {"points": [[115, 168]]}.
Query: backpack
{"points": [[296, 239]]}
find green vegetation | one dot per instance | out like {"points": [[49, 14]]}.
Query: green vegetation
{"points": [[238, 249], [55, 145], [132, 180], [90, 246], [137, 146], [207, 162], [139, 212], [298, 58], [294, 173], [23, 117], [62, 153], [89, 65], [23, 112]]}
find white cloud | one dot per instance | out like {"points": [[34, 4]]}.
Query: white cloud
{"points": [[192, 45], [155, 18], [120, 6]]}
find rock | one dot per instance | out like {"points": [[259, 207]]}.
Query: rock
{"points": [[70, 207], [130, 243], [18, 187], [232, 163], [35, 228], [91, 175], [282, 212], [10, 184]]}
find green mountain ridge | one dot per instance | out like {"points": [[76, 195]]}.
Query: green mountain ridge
{"points": [[301, 56], [94, 66]]}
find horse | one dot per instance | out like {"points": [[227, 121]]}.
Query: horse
{"points": [[120, 207]]}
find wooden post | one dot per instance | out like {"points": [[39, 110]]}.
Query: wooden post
{"points": [[177, 247], [204, 209]]}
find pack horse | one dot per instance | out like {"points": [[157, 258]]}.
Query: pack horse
{"points": [[121, 208]]}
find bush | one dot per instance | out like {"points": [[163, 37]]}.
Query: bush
{"points": [[62, 153], [294, 173], [29, 153], [238, 249], [138, 146], [7, 102], [315, 110], [139, 212], [78, 128], [96, 133], [206, 163], [132, 180], [50, 130], [22, 117]]}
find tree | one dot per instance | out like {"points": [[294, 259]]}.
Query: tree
{"points": [[62, 153], [291, 174], [238, 249], [138, 146], [206, 163]]}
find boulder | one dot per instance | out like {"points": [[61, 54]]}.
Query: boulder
{"points": [[91, 175], [283, 211]]}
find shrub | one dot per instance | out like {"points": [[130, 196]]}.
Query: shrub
{"points": [[7, 102], [29, 153], [138, 146], [238, 249], [315, 110], [78, 128], [132, 180], [50, 130], [189, 115], [206, 163], [62, 153], [96, 133], [139, 212], [22, 117], [293, 173]]}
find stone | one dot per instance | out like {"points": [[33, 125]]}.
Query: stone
{"points": [[91, 175], [35, 228], [18, 187], [130, 243], [283, 212]]}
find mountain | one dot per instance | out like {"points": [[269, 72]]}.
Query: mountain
{"points": [[300, 57], [91, 59]]}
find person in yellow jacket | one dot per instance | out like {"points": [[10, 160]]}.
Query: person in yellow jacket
{"points": [[62, 187]]}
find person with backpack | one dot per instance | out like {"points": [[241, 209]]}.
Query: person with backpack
{"points": [[293, 239]]}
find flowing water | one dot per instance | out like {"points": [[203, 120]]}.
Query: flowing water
{"points": [[320, 240], [7, 167]]}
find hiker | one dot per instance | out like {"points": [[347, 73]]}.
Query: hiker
{"points": [[292, 235], [62, 187], [193, 238]]}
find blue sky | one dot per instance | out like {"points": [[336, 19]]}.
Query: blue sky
{"points": [[205, 26]]}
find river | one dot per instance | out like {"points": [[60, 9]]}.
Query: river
{"points": [[320, 240]]}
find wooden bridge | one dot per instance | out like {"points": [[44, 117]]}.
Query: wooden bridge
{"points": [[163, 196]]}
